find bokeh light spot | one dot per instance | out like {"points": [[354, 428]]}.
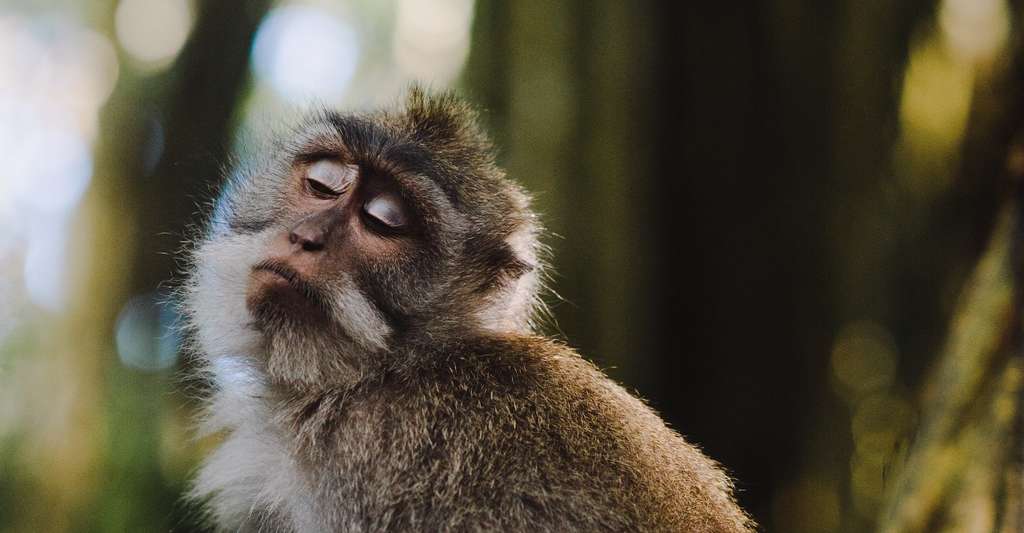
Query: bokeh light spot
{"points": [[45, 274], [432, 38], [146, 333], [61, 168], [975, 29], [55, 74], [153, 31], [864, 358], [305, 53], [935, 101], [878, 422]]}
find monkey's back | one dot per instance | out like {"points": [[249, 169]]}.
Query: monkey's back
{"points": [[510, 434]]}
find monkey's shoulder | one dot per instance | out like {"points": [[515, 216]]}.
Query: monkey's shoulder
{"points": [[510, 433], [507, 364], [556, 435], [525, 376]]}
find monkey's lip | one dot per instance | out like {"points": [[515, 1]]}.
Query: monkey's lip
{"points": [[277, 284], [277, 291], [279, 272]]}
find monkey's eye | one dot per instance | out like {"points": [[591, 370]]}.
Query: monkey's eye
{"points": [[329, 179], [386, 209]]}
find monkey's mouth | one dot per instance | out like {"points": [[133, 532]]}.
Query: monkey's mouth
{"points": [[276, 285], [281, 270]]}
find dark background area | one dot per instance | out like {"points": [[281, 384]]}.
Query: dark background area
{"points": [[761, 219]]}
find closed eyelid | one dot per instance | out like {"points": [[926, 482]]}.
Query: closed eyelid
{"points": [[334, 174], [388, 209]]}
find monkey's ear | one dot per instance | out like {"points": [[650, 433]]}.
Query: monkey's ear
{"points": [[504, 264], [516, 267]]}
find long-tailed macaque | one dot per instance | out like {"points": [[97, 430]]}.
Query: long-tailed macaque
{"points": [[363, 303]]}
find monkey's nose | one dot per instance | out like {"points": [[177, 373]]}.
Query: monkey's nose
{"points": [[309, 237]]}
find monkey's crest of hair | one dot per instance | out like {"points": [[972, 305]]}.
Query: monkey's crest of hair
{"points": [[363, 302]]}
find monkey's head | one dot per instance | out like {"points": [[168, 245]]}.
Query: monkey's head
{"points": [[357, 234]]}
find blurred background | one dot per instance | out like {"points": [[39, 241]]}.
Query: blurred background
{"points": [[791, 225]]}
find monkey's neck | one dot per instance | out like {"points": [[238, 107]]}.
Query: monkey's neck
{"points": [[299, 367], [306, 397]]}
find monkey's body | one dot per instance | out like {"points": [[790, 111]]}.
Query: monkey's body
{"points": [[499, 434], [362, 304]]}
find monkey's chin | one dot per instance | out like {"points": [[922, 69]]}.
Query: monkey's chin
{"points": [[302, 346]]}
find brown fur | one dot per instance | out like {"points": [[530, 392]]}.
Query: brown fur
{"points": [[512, 433], [459, 423]]}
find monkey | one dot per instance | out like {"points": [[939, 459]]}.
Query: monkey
{"points": [[363, 302]]}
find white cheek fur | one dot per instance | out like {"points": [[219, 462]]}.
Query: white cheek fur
{"points": [[358, 316], [217, 294], [252, 468]]}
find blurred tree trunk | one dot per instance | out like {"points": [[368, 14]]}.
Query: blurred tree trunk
{"points": [[559, 83], [164, 137], [964, 471]]}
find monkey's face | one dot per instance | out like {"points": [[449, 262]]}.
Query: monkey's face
{"points": [[358, 234], [347, 238]]}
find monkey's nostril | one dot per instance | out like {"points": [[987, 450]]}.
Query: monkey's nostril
{"points": [[310, 234], [307, 241], [312, 246]]}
